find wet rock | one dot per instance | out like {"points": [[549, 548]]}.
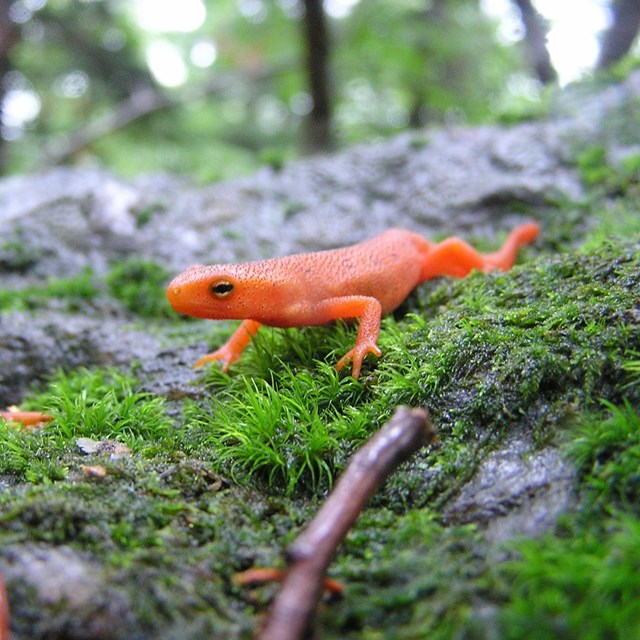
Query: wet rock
{"points": [[516, 490], [33, 346], [460, 180], [66, 593]]}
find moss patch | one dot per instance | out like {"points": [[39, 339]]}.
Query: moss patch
{"points": [[71, 293], [138, 285], [222, 483], [528, 347]]}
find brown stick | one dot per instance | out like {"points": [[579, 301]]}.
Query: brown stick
{"points": [[310, 554], [4, 611]]}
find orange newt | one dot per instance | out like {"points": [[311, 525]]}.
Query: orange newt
{"points": [[26, 418], [363, 281], [261, 575], [4, 611]]}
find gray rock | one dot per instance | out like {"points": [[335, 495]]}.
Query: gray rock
{"points": [[67, 595], [32, 346], [458, 180], [516, 491]]}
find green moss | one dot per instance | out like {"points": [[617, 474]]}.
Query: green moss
{"points": [[167, 533], [579, 585], [288, 432], [604, 177], [535, 349], [17, 256], [582, 580], [97, 404], [408, 577], [486, 354], [607, 450], [144, 216], [169, 557], [594, 167], [72, 292], [140, 285], [137, 284]]}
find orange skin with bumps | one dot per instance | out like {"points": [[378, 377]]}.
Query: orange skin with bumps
{"points": [[4, 611], [365, 281], [26, 418]]}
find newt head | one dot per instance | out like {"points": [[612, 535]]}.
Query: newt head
{"points": [[225, 292], [203, 292]]}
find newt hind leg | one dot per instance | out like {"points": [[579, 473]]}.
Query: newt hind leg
{"points": [[455, 257]]}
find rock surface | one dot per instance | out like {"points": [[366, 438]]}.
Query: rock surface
{"points": [[467, 181]]}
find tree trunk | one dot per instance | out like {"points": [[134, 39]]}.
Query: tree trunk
{"points": [[319, 135], [535, 40], [8, 37], [618, 39]]}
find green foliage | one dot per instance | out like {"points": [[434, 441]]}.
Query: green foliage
{"points": [[578, 585], [393, 65], [408, 63], [140, 285], [98, 404], [74, 292], [287, 432]]}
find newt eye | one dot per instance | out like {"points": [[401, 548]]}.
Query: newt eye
{"points": [[222, 288]]}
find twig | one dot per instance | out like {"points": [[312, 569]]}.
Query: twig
{"points": [[141, 103], [310, 554], [4, 611]]}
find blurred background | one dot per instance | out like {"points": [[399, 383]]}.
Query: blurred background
{"points": [[215, 88]]}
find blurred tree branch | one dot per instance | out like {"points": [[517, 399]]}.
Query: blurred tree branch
{"points": [[618, 39], [8, 37], [142, 102], [319, 126], [535, 42]]}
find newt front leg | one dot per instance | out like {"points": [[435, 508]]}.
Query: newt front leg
{"points": [[369, 310], [232, 349]]}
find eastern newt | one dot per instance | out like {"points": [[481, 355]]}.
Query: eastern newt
{"points": [[363, 281], [26, 418], [4, 611]]}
